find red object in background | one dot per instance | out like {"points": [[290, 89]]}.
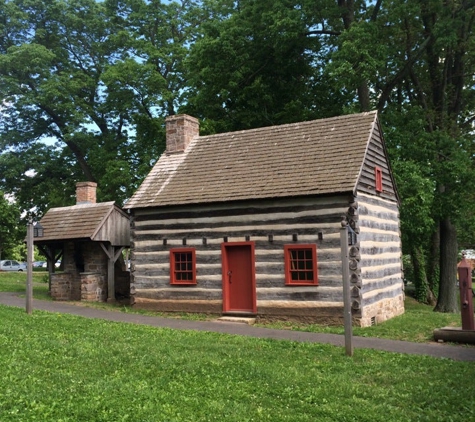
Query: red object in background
{"points": [[466, 301]]}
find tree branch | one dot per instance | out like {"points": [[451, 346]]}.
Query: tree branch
{"points": [[401, 74], [377, 8]]}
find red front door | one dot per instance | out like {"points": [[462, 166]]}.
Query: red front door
{"points": [[239, 283]]}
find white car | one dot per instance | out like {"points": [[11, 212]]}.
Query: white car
{"points": [[56, 264], [10, 265]]}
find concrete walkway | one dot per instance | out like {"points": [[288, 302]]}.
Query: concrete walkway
{"points": [[461, 353]]}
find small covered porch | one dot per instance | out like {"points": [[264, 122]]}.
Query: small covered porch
{"points": [[90, 239]]}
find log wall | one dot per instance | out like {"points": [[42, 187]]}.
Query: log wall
{"points": [[380, 295], [375, 260], [156, 231]]}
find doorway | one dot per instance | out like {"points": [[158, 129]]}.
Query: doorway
{"points": [[239, 278]]}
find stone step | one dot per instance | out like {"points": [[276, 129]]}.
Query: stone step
{"points": [[237, 319]]}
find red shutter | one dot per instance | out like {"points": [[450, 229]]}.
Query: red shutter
{"points": [[378, 175]]}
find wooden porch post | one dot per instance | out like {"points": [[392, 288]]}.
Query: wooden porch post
{"points": [[110, 275], [112, 256]]}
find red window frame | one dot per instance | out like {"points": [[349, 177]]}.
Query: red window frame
{"points": [[183, 266], [378, 176], [301, 265]]}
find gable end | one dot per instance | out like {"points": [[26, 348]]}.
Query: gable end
{"points": [[376, 164]]}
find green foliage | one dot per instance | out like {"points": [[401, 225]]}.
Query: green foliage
{"points": [[257, 66], [417, 202], [19, 252], [358, 58], [38, 178], [10, 230], [178, 375], [95, 77], [408, 268]]}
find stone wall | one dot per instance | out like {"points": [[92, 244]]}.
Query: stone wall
{"points": [[85, 271], [93, 287], [85, 274], [61, 286], [95, 260]]}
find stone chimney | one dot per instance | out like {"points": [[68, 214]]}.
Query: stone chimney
{"points": [[86, 193], [181, 129]]}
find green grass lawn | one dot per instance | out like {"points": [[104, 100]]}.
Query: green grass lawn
{"points": [[11, 281], [65, 368], [416, 324]]}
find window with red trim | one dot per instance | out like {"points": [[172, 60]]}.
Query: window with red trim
{"points": [[300, 264], [183, 266], [378, 175]]}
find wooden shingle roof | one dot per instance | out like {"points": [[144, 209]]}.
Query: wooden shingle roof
{"points": [[75, 222], [309, 158]]}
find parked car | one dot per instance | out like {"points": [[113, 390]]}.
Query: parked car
{"points": [[10, 265], [39, 264], [57, 264]]}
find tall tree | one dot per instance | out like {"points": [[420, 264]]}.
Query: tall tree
{"points": [[95, 78], [259, 63], [440, 35], [424, 78]]}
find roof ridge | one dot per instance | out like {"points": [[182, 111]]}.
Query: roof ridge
{"points": [[86, 205], [287, 125]]}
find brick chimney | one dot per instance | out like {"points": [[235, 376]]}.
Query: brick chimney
{"points": [[86, 193], [181, 129]]}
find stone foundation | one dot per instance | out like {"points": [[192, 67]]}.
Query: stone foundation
{"points": [[192, 306], [381, 311], [325, 315]]}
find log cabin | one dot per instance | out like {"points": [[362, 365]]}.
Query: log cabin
{"points": [[248, 222]]}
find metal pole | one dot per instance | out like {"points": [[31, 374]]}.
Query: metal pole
{"points": [[346, 289], [29, 267]]}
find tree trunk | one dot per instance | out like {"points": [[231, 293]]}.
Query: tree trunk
{"points": [[363, 96], [433, 264], [447, 300], [423, 293], [348, 17]]}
